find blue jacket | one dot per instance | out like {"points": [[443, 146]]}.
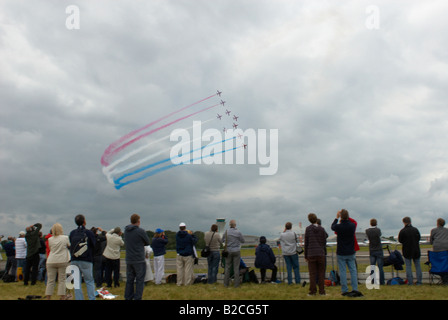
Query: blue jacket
{"points": [[158, 246], [264, 257], [345, 237], [185, 243], [10, 249]]}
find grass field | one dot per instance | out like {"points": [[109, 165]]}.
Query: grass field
{"points": [[247, 291]]}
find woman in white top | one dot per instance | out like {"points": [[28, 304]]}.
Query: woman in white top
{"points": [[57, 261]]}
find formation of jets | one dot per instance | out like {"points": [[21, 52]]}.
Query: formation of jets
{"points": [[235, 125]]}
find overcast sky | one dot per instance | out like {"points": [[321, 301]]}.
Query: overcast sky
{"points": [[358, 95]]}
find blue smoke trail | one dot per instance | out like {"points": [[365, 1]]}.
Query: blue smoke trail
{"points": [[119, 185]]}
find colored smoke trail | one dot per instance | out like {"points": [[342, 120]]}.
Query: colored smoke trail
{"points": [[131, 164], [112, 147], [119, 185], [137, 151], [127, 144]]}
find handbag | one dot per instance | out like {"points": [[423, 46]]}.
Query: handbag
{"points": [[225, 253], [299, 249], [206, 251]]}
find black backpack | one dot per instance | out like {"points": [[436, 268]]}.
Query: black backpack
{"points": [[79, 241]]}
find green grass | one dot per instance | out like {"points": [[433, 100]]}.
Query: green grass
{"points": [[247, 291]]}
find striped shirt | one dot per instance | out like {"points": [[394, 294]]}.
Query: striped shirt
{"points": [[21, 248]]}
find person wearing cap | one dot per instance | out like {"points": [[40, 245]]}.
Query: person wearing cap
{"points": [[185, 241], [158, 244], [111, 253]]}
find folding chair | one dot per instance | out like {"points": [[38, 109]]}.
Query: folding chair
{"points": [[438, 262]]}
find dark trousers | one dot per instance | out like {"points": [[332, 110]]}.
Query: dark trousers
{"points": [[31, 269], [112, 266], [11, 266], [135, 280], [273, 275], [316, 268], [99, 270]]}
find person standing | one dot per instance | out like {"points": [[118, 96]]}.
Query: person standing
{"points": [[315, 244], [158, 244], [11, 263], [82, 244], [375, 248], [213, 240], [409, 237], [32, 253], [233, 238], [185, 242], [288, 243], [42, 258], [21, 248], [111, 253], [439, 236], [57, 262], [345, 252], [99, 261], [135, 239]]}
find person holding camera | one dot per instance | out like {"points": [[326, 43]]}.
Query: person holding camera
{"points": [[158, 244], [32, 253]]}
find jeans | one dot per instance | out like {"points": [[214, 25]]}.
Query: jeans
{"points": [[135, 272], [42, 266], [418, 270], [350, 262], [292, 263], [213, 266], [21, 263], [86, 270], [377, 256]]}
